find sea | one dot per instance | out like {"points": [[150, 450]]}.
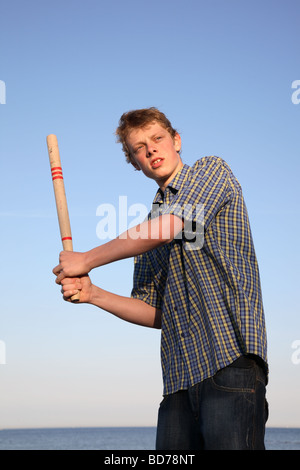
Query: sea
{"points": [[114, 438]]}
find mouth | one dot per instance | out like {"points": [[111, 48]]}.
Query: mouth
{"points": [[156, 163]]}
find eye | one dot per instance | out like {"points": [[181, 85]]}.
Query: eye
{"points": [[137, 149]]}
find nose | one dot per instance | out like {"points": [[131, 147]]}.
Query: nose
{"points": [[151, 149]]}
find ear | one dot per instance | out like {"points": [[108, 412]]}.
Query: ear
{"points": [[177, 142]]}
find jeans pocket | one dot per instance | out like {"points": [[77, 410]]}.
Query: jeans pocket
{"points": [[233, 379]]}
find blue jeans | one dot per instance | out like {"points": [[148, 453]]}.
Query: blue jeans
{"points": [[225, 412]]}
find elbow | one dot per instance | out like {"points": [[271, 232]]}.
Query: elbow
{"points": [[157, 319]]}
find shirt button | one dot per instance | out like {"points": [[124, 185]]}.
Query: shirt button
{"points": [[185, 335]]}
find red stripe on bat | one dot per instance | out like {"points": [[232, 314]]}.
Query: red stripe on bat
{"points": [[66, 238], [57, 177], [56, 168]]}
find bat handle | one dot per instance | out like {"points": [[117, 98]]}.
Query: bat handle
{"points": [[68, 246]]}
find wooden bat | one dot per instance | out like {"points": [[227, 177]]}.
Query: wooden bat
{"points": [[60, 197]]}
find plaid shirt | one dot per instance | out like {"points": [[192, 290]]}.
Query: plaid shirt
{"points": [[210, 295]]}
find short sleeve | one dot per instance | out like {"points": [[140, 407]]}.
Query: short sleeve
{"points": [[144, 287]]}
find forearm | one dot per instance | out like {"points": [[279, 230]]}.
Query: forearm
{"points": [[137, 240], [129, 309]]}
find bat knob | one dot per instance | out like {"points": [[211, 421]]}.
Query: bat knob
{"points": [[75, 298]]}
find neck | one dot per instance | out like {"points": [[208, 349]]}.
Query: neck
{"points": [[164, 183]]}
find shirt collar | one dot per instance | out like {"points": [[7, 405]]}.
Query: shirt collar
{"points": [[177, 183]]}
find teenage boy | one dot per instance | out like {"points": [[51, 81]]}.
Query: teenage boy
{"points": [[196, 277]]}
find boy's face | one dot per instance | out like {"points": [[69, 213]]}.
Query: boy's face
{"points": [[155, 152]]}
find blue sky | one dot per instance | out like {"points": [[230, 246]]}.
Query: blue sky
{"points": [[222, 71]]}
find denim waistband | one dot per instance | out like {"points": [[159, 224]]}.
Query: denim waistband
{"points": [[244, 362]]}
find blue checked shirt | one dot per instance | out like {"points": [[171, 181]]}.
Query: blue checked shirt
{"points": [[208, 287]]}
